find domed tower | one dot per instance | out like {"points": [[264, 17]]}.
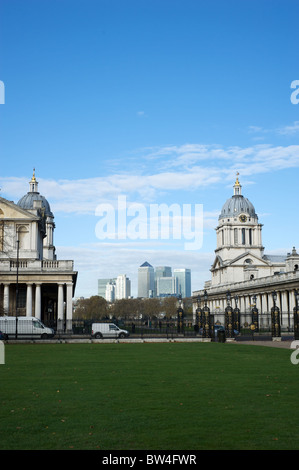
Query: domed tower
{"points": [[33, 201], [239, 238]]}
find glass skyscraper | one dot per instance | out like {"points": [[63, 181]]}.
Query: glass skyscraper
{"points": [[183, 276], [146, 280]]}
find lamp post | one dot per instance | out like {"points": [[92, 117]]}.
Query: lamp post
{"points": [[254, 316], [229, 318], [198, 316], [275, 319], [17, 282], [180, 316], [296, 315], [236, 313], [206, 318]]}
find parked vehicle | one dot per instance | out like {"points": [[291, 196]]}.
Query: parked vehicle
{"points": [[24, 327], [218, 328], [107, 330]]}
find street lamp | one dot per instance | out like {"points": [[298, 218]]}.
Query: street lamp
{"points": [[236, 313], [229, 317], [254, 316], [180, 317], [205, 296], [274, 297], [206, 318], [275, 319], [198, 315], [17, 282], [296, 315]]}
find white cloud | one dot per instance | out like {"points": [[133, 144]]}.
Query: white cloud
{"points": [[288, 130], [170, 169], [105, 260]]}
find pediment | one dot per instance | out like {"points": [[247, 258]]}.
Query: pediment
{"points": [[253, 260], [10, 211], [218, 263]]}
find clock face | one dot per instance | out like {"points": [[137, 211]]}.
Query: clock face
{"points": [[243, 218]]}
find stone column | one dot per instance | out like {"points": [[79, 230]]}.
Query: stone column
{"points": [[6, 299], [38, 301], [69, 306], [60, 326], [29, 300], [284, 302], [292, 300]]}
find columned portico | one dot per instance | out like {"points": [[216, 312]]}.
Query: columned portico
{"points": [[29, 269], [241, 267]]}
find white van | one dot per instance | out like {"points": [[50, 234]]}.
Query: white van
{"points": [[24, 327], [107, 330]]}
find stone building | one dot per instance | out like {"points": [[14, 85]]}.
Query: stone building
{"points": [[32, 281], [242, 268]]}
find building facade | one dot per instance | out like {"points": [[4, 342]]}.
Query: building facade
{"points": [[167, 286], [183, 276], [102, 286], [33, 282], [146, 280], [122, 287], [242, 268]]}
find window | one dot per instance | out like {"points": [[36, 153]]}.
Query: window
{"points": [[22, 297], [250, 236], [243, 236], [23, 237], [236, 236]]}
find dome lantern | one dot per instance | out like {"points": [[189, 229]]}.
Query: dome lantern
{"points": [[27, 201], [237, 204]]}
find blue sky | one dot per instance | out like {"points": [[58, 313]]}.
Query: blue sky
{"points": [[158, 101]]}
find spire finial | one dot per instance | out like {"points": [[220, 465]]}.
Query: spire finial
{"points": [[33, 179], [237, 186], [33, 183]]}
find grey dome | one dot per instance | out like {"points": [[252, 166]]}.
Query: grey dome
{"points": [[236, 205], [26, 202]]}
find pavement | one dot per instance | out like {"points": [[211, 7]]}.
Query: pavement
{"points": [[273, 344]]}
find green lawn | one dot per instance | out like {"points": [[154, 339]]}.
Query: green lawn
{"points": [[174, 396]]}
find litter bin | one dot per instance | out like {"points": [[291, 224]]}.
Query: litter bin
{"points": [[221, 336]]}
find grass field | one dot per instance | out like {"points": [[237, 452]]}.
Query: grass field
{"points": [[174, 396]]}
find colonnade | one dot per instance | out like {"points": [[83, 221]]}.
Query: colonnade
{"points": [[264, 302], [34, 300]]}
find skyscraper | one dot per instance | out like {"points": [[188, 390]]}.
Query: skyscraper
{"points": [[102, 283], [183, 276], [146, 280], [167, 286], [122, 287], [161, 271]]}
